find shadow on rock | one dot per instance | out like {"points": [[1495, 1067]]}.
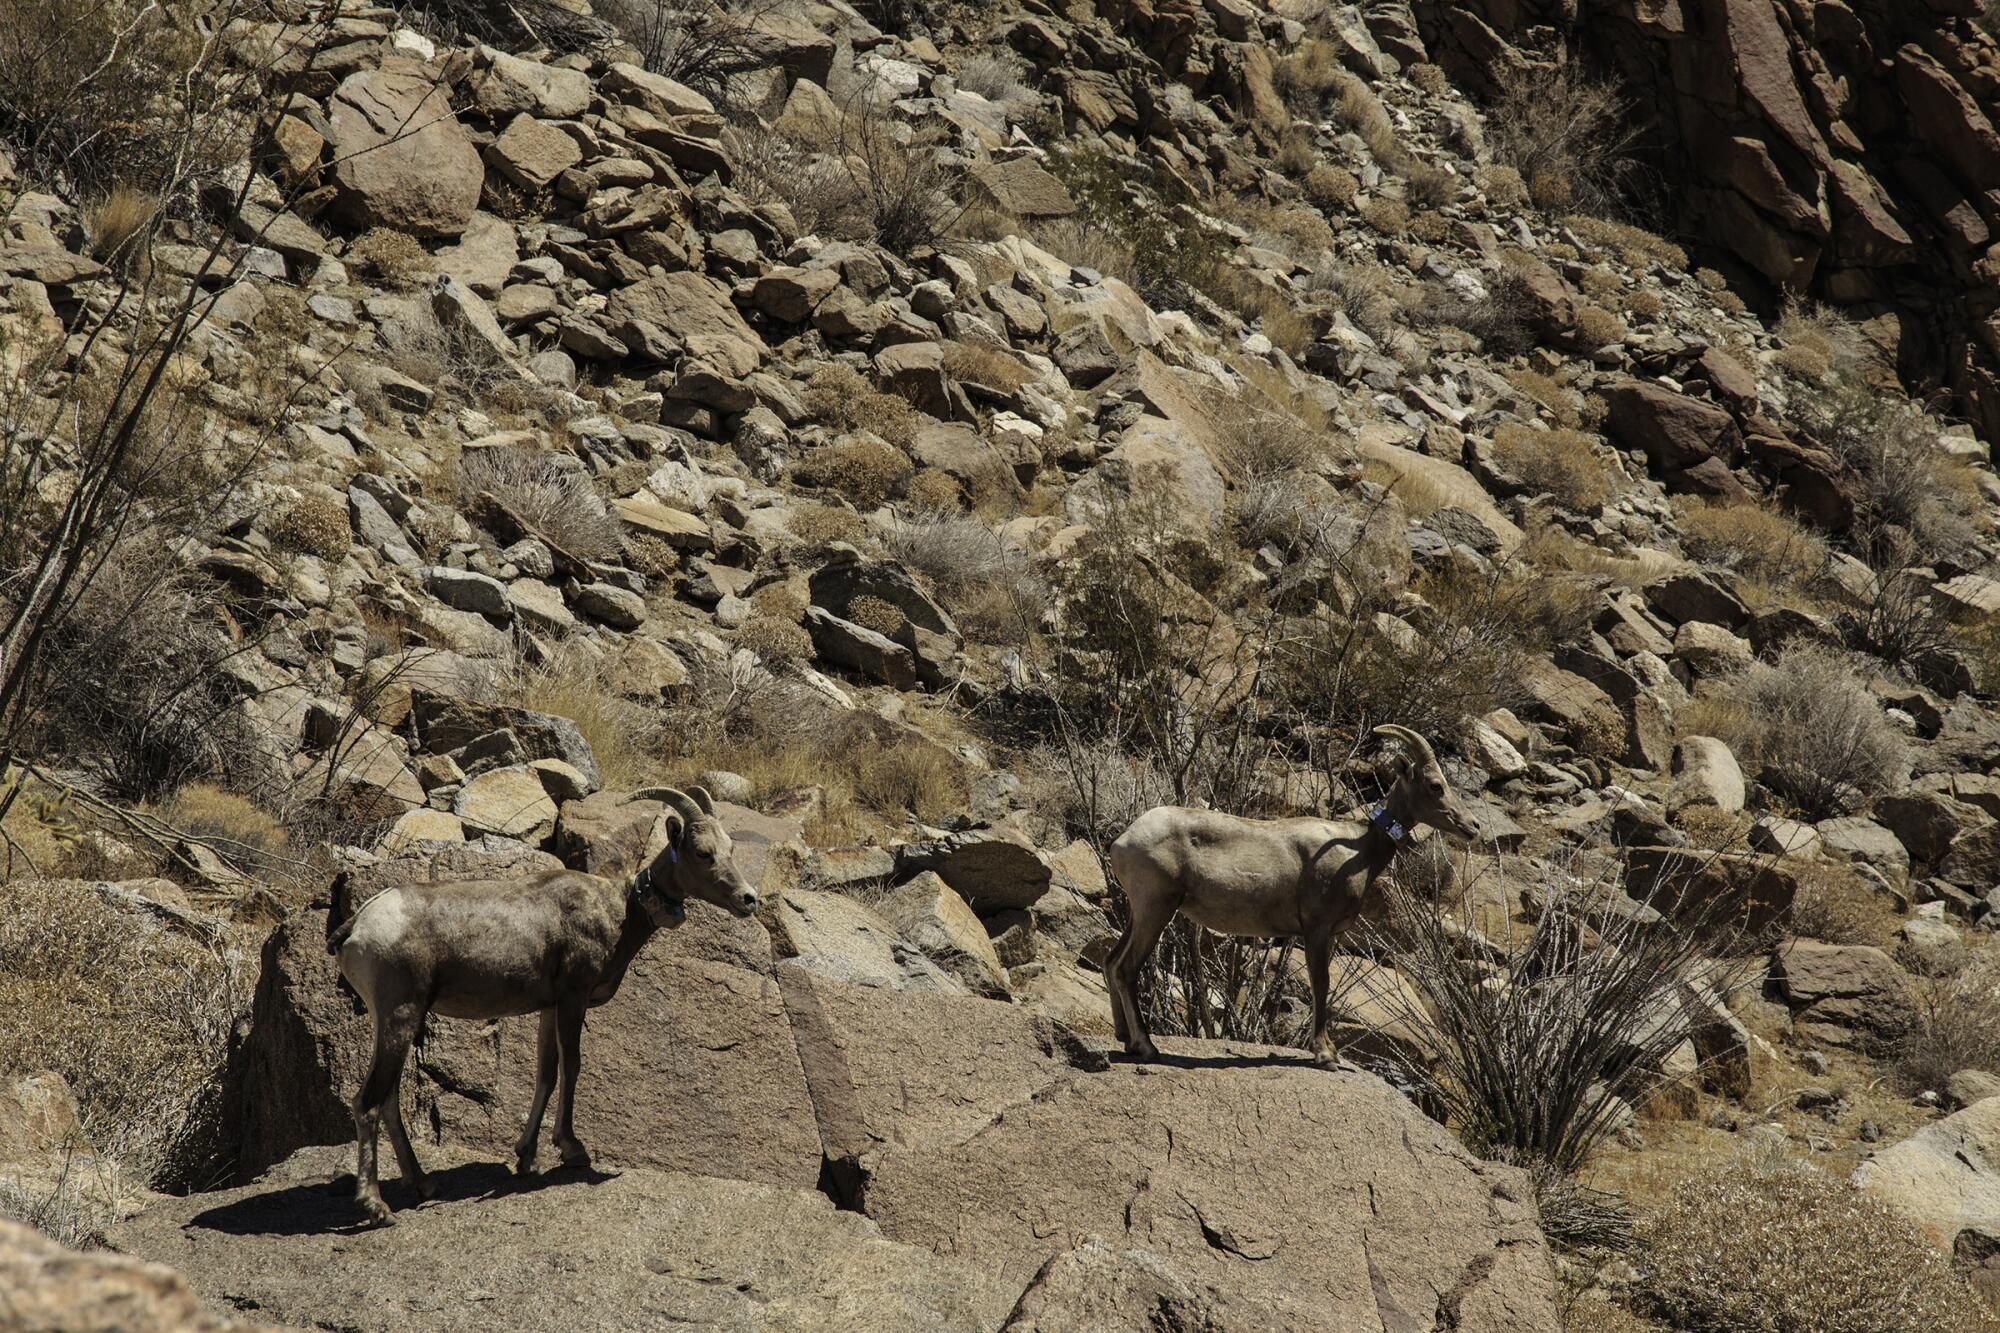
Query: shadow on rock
{"points": [[330, 1209]]}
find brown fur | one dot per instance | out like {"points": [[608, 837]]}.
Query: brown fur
{"points": [[1261, 878], [556, 944]]}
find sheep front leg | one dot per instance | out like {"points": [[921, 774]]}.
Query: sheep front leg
{"points": [[545, 1082], [569, 1031], [1319, 962]]}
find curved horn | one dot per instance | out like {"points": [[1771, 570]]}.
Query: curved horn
{"points": [[1410, 738], [701, 798], [681, 803]]}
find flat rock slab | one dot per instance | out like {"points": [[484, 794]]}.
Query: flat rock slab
{"points": [[563, 1251]]}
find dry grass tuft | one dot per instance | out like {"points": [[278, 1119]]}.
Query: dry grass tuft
{"points": [[389, 258], [135, 1017], [843, 398], [1329, 188], [316, 525], [865, 471], [1750, 1249], [1567, 133], [1760, 540], [628, 739], [1563, 463], [548, 491]]}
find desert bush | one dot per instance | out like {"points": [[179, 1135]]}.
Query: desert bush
{"points": [[1362, 292], [1819, 343], [991, 589], [934, 491], [1758, 539], [234, 825], [907, 185], [1956, 1025], [629, 739], [842, 398], [1502, 185], [1561, 402], [704, 44], [775, 640], [117, 222], [1431, 187], [556, 500], [1086, 246], [1645, 305], [135, 1018], [810, 179], [315, 524], [1330, 187], [1563, 463], [867, 472], [1000, 77], [818, 527], [1635, 246], [1174, 250], [985, 365], [1564, 131], [1912, 494], [1597, 327], [1389, 216], [1500, 321], [1296, 155], [388, 257], [1310, 77], [1358, 109], [1429, 77], [1535, 1058], [86, 1196], [1745, 1248], [1806, 721]]}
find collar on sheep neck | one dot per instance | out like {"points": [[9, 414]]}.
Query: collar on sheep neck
{"points": [[1392, 828], [645, 893]]}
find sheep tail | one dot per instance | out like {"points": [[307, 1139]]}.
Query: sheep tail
{"points": [[340, 916]]}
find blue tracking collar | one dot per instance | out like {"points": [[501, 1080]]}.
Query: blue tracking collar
{"points": [[1382, 819]]}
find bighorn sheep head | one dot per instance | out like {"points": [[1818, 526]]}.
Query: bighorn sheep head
{"points": [[1419, 793], [690, 855]]}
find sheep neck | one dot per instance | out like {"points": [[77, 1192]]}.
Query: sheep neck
{"points": [[637, 928], [1378, 847]]}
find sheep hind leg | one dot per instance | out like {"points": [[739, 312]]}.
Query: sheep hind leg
{"points": [[399, 1139], [394, 1030], [545, 1082], [1319, 963], [1121, 1026], [569, 1030]]}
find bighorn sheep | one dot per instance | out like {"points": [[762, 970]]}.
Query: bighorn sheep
{"points": [[1312, 878], [556, 943]]}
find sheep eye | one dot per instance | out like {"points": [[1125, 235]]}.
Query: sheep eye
{"points": [[705, 854]]}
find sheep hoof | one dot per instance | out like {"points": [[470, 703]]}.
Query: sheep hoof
{"points": [[524, 1165], [377, 1213], [426, 1188], [1142, 1050], [576, 1156]]}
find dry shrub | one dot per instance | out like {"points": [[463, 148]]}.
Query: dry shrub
{"points": [[1758, 539], [1956, 1021], [1562, 403], [809, 179], [628, 738], [135, 1017], [315, 524], [1363, 292], [1085, 246], [933, 490], [1429, 186], [1000, 77], [842, 398], [1500, 321], [1430, 228], [550, 492], [389, 258], [1836, 906], [233, 824], [1502, 185], [989, 587], [1296, 156], [1310, 77], [782, 600], [906, 185], [1917, 502], [1563, 463], [876, 614], [1428, 77], [818, 527], [985, 365], [1331, 188], [865, 471], [1549, 547], [116, 221], [1600, 280], [1710, 280], [1808, 724], [1635, 246], [1645, 305], [1361, 111], [1567, 133], [1391, 217], [775, 640], [1818, 342], [1789, 1249], [1597, 327]]}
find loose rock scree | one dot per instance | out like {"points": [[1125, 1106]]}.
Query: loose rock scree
{"points": [[556, 944], [1261, 878]]}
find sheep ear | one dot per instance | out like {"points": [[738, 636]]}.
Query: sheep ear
{"points": [[666, 833], [703, 799]]}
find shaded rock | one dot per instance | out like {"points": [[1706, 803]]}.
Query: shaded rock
{"points": [[1705, 773], [933, 917], [837, 584], [1854, 838], [1675, 431], [840, 938], [993, 869], [1725, 890], [47, 1288], [846, 644]]}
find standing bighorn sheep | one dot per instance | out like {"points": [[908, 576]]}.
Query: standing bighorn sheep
{"points": [[555, 944], [1312, 878]]}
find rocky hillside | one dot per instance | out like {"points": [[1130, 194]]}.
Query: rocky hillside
{"points": [[944, 432]]}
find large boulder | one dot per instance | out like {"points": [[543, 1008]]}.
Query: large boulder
{"points": [[1307, 1199], [1848, 995], [1946, 1176], [401, 159], [637, 1248], [1677, 433], [46, 1288]]}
